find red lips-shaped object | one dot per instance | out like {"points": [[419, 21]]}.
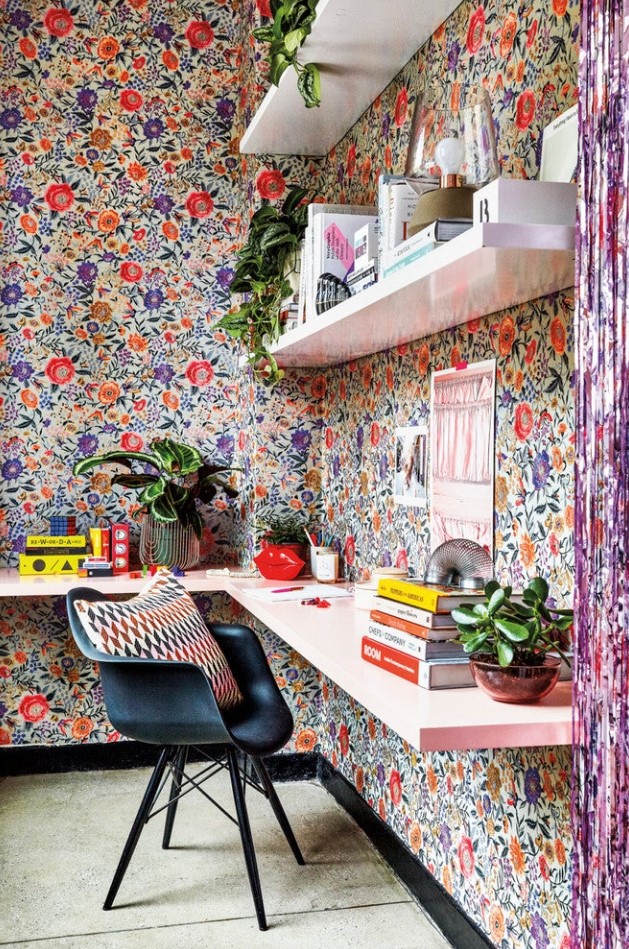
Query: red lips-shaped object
{"points": [[278, 563]]}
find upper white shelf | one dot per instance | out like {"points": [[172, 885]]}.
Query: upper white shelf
{"points": [[487, 269], [360, 47]]}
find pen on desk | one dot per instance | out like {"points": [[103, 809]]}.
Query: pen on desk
{"points": [[286, 589]]}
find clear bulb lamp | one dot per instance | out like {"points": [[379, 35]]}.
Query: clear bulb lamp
{"points": [[454, 148]]}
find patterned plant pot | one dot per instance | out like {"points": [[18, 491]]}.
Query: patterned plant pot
{"points": [[169, 545]]}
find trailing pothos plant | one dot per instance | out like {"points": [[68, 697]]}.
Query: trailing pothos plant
{"points": [[292, 22], [264, 265], [170, 493]]}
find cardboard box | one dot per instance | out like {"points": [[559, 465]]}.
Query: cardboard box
{"points": [[517, 201]]}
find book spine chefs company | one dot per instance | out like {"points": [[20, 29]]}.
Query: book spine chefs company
{"points": [[413, 645]]}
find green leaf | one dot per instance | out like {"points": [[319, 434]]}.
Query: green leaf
{"points": [[114, 457], [491, 587], [153, 491], [293, 200], [480, 610], [465, 616], [475, 643], [176, 458], [279, 65], [264, 34], [513, 631], [497, 599], [505, 653], [134, 480], [295, 38], [309, 85], [540, 588], [163, 510]]}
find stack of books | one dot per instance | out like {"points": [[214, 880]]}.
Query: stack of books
{"points": [[397, 199], [424, 241], [410, 634], [328, 248], [52, 554]]}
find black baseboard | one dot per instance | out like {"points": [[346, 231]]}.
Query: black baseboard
{"points": [[434, 900], [129, 754]]}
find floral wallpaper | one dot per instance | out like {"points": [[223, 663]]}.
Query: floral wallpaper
{"points": [[493, 827], [122, 186], [127, 200]]}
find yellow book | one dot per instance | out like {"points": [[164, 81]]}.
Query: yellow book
{"points": [[436, 599]]}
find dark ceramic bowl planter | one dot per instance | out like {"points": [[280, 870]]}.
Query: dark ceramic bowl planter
{"points": [[515, 684]]}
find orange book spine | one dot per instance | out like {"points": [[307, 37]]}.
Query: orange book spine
{"points": [[399, 663], [403, 625]]}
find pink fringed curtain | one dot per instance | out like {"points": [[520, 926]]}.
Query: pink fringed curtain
{"points": [[601, 762]]}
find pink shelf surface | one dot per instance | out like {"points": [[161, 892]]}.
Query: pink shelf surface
{"points": [[430, 720]]}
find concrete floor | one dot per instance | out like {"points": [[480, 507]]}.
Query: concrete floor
{"points": [[61, 836]]}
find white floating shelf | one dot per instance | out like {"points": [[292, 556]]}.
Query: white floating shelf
{"points": [[485, 270], [360, 47]]}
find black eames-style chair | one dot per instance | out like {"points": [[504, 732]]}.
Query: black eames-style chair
{"points": [[171, 704]]}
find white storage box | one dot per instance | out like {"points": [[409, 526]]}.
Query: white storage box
{"points": [[517, 201]]}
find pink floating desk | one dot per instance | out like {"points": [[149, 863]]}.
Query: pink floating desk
{"points": [[437, 720]]}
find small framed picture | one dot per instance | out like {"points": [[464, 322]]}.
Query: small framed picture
{"points": [[411, 465]]}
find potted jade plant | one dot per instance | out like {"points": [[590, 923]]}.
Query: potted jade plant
{"points": [[265, 273], [172, 525], [515, 646], [283, 547]]}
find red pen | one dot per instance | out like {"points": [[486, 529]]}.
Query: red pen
{"points": [[286, 589]]}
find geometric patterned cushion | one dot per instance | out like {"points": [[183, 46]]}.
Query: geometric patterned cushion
{"points": [[161, 622]]}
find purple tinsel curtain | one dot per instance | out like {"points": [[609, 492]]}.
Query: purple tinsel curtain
{"points": [[601, 761]]}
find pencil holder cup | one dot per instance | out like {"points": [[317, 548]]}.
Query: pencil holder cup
{"points": [[324, 562], [314, 551]]}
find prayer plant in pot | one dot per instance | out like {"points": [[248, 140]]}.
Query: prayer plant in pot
{"points": [[172, 524], [266, 264], [515, 646]]}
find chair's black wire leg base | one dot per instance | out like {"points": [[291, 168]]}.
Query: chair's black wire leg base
{"points": [[138, 824], [179, 765], [278, 810], [245, 836]]}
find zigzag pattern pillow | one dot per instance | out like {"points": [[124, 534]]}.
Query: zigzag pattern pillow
{"points": [[161, 622]]}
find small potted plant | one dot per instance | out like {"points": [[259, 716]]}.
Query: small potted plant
{"points": [[172, 525], [515, 647], [283, 547]]}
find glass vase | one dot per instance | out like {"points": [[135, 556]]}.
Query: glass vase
{"points": [[169, 545]]}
